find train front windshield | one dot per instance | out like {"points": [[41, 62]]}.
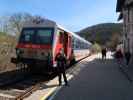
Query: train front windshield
{"points": [[36, 35]]}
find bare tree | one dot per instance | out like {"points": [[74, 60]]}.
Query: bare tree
{"points": [[4, 24], [16, 22], [13, 24]]}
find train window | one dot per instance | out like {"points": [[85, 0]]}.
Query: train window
{"points": [[36, 35], [27, 36], [44, 36], [44, 32]]}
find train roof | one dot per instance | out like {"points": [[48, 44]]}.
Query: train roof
{"points": [[74, 34], [46, 22]]}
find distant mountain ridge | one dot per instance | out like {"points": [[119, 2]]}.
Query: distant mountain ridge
{"points": [[102, 33]]}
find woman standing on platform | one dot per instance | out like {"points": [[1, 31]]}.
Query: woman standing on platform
{"points": [[119, 56]]}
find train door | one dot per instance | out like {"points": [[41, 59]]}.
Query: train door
{"points": [[64, 41], [69, 47]]}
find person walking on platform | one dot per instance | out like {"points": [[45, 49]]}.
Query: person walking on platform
{"points": [[119, 56], [128, 57], [61, 64], [104, 51]]}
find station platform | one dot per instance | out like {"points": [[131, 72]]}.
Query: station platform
{"points": [[91, 79]]}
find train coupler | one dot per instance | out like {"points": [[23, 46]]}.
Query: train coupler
{"points": [[14, 60]]}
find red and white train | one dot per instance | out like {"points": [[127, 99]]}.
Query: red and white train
{"points": [[40, 41]]}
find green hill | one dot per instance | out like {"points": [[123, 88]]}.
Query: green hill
{"points": [[104, 34]]}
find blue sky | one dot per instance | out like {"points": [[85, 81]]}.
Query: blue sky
{"points": [[72, 14]]}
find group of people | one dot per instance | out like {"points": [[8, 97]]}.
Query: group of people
{"points": [[119, 55]]}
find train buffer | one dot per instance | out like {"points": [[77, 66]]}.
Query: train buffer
{"points": [[90, 79]]}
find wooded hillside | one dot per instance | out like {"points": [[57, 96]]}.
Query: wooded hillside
{"points": [[104, 34]]}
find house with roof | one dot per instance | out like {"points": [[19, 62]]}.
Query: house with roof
{"points": [[125, 10]]}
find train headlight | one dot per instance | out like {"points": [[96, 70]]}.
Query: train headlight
{"points": [[18, 51]]}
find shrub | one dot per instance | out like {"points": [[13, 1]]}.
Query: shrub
{"points": [[95, 48]]}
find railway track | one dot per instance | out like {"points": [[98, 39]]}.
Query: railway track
{"points": [[23, 87], [11, 77], [29, 91]]}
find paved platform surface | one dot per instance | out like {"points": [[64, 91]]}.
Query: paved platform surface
{"points": [[98, 80], [127, 69]]}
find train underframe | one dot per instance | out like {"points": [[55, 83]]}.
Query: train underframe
{"points": [[37, 66], [33, 65]]}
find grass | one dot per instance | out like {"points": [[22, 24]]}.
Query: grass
{"points": [[7, 44]]}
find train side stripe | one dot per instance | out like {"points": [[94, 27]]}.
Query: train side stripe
{"points": [[34, 46]]}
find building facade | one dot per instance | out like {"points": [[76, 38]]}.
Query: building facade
{"points": [[125, 9]]}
